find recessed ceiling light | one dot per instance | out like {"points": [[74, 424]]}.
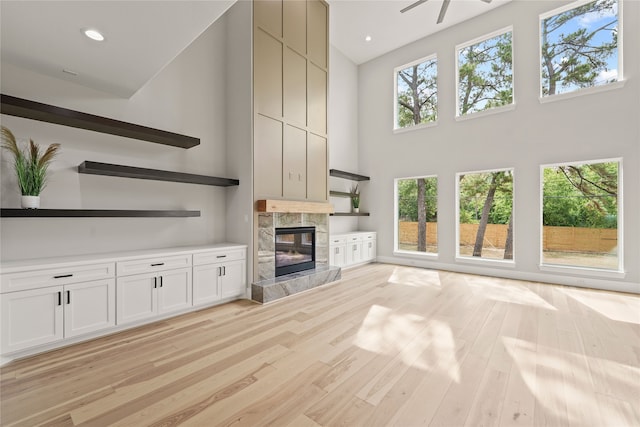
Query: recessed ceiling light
{"points": [[367, 39], [93, 34]]}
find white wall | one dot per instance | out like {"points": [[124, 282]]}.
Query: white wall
{"points": [[343, 133], [187, 97], [239, 122], [596, 126]]}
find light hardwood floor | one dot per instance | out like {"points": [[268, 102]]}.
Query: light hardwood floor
{"points": [[386, 345]]}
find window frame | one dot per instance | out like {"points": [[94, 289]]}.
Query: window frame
{"points": [[396, 128], [587, 90], [590, 271], [494, 110], [396, 219], [479, 260]]}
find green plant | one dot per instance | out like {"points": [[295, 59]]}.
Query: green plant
{"points": [[355, 196], [30, 164]]}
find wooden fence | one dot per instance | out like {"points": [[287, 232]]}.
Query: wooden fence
{"points": [[562, 239]]}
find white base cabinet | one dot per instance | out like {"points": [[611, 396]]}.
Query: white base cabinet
{"points": [[53, 302], [41, 316], [219, 275], [351, 249]]}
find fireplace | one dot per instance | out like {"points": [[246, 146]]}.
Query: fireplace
{"points": [[295, 249]]}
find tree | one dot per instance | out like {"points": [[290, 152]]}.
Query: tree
{"points": [[575, 55], [417, 94], [422, 216], [485, 78], [411, 203]]}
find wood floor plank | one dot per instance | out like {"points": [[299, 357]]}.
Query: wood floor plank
{"points": [[385, 346]]}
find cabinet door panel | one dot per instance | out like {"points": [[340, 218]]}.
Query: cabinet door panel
{"points": [[295, 88], [316, 168], [136, 298], [294, 163], [337, 255], [268, 157], [295, 24], [267, 14], [267, 75], [89, 307], [354, 252], [31, 318], [233, 280], [205, 283], [317, 16], [317, 99], [174, 291]]}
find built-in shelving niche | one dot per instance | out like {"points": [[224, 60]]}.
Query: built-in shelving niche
{"points": [[97, 168], [352, 177], [62, 116], [95, 213]]}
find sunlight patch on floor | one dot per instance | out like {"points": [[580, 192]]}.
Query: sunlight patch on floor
{"points": [[565, 381], [429, 346], [622, 308], [510, 292], [416, 277]]}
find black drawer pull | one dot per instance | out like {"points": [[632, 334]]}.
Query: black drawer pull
{"points": [[59, 298], [62, 276], [221, 256], [157, 264], [68, 297]]}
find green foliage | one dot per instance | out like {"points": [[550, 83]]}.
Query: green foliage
{"points": [[408, 199], [485, 75], [30, 165], [473, 193], [417, 94], [576, 59], [581, 195], [355, 196]]}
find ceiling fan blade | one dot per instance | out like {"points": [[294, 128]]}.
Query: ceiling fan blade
{"points": [[412, 5], [487, 1], [443, 10]]}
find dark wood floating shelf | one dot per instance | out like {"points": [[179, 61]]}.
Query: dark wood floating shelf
{"points": [[339, 194], [96, 168], [348, 175], [350, 214], [94, 213], [49, 113]]}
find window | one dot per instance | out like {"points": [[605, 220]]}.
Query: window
{"points": [[416, 93], [485, 212], [485, 73], [579, 47], [581, 225], [417, 215]]}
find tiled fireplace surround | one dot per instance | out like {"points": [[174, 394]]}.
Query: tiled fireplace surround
{"points": [[270, 288]]}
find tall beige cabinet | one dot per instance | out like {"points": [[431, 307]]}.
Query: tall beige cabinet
{"points": [[290, 76]]}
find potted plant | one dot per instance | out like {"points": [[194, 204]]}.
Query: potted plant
{"points": [[31, 167], [355, 199]]}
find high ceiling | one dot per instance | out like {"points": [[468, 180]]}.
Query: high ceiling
{"points": [[353, 20], [142, 37]]}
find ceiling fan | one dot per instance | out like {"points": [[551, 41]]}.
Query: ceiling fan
{"points": [[443, 9]]}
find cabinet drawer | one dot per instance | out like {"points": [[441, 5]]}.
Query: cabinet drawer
{"points": [[150, 265], [337, 240], [369, 236], [218, 256], [354, 238], [34, 279]]}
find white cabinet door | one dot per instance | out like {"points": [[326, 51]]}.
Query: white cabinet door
{"points": [[136, 297], [206, 287], [89, 307], [337, 255], [368, 250], [174, 290], [354, 252], [232, 279], [31, 318]]}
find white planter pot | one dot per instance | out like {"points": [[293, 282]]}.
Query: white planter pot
{"points": [[30, 202], [355, 210]]}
